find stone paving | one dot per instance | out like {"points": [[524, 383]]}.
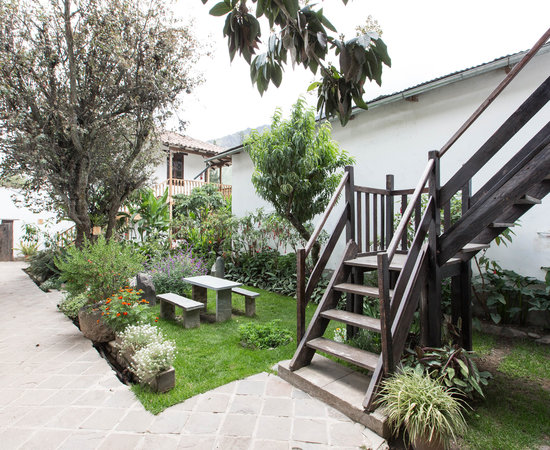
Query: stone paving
{"points": [[56, 392]]}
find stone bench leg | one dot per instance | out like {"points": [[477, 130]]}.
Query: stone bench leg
{"points": [[223, 305], [250, 306], [167, 310], [199, 295], [191, 319]]}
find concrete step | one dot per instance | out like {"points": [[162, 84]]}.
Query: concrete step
{"points": [[339, 387]]}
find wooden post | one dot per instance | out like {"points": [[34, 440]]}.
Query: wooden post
{"points": [[170, 168], [434, 277], [466, 304], [351, 300], [385, 312], [300, 294], [389, 209]]}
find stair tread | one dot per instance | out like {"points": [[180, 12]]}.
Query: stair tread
{"points": [[502, 224], [357, 320], [528, 200], [359, 289], [353, 355], [371, 261], [473, 247]]}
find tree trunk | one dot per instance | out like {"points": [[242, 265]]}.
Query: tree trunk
{"points": [[306, 235]]}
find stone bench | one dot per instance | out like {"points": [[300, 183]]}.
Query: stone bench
{"points": [[191, 309], [249, 300]]}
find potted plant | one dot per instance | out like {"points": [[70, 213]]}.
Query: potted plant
{"points": [[429, 413]]}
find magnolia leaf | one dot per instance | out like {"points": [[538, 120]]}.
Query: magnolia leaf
{"points": [[220, 9]]}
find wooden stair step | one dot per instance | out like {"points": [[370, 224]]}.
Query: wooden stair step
{"points": [[359, 289], [528, 200], [353, 355], [356, 320], [473, 247], [502, 225], [371, 262]]}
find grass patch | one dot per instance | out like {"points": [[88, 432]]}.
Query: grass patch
{"points": [[527, 360], [513, 416], [483, 343], [211, 356]]}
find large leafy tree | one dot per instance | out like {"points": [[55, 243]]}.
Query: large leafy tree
{"points": [[307, 35], [84, 84], [296, 166]]}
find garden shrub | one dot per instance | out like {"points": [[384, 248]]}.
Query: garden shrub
{"points": [[452, 366], [98, 268], [136, 337], [264, 335], [153, 359], [123, 308], [202, 198], [169, 271], [71, 305], [42, 265]]}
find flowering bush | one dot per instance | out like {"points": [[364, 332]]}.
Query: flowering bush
{"points": [[136, 337], [98, 268], [168, 272], [124, 308], [152, 359]]}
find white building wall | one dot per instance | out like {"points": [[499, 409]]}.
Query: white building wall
{"points": [[395, 139], [192, 166]]}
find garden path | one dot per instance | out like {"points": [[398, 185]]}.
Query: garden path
{"points": [[56, 392]]}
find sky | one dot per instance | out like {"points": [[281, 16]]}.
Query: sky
{"points": [[425, 39]]}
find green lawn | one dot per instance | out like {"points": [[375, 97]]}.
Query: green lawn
{"points": [[516, 411], [211, 356]]}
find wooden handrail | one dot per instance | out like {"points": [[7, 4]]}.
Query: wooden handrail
{"points": [[392, 248], [509, 77], [329, 209]]}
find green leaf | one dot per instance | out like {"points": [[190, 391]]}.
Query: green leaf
{"points": [[496, 317], [219, 9]]}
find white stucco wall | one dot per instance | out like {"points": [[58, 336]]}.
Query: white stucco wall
{"points": [[21, 215], [395, 139], [192, 166]]}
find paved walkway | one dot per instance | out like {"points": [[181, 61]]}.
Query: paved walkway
{"points": [[56, 392]]}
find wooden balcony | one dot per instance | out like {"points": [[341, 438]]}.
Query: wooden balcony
{"points": [[186, 186]]}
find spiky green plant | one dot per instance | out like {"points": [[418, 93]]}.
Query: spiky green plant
{"points": [[425, 408]]}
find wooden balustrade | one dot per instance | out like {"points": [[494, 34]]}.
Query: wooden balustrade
{"points": [[184, 187]]}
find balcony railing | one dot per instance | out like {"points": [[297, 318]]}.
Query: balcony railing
{"points": [[186, 186]]}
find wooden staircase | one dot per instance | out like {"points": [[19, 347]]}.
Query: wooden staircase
{"points": [[411, 265]]}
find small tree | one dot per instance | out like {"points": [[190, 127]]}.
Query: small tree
{"points": [[83, 86], [295, 166]]}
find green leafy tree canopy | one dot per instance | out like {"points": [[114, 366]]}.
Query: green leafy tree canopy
{"points": [[84, 84], [296, 166], [304, 35]]}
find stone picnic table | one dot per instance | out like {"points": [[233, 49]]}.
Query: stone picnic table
{"points": [[223, 287]]}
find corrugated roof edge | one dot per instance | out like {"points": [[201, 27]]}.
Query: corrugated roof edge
{"points": [[426, 86]]}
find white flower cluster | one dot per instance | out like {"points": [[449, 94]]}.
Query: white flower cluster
{"points": [[340, 335], [135, 337], [153, 359]]}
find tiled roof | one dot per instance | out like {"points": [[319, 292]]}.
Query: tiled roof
{"points": [[173, 139]]}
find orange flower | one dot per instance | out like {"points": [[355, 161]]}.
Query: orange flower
{"points": [[97, 320], [117, 314], [120, 297], [125, 313], [108, 301], [156, 320]]}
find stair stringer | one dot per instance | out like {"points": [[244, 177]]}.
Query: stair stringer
{"points": [[318, 324], [483, 213], [402, 322]]}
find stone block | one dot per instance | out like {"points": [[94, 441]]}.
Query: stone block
{"points": [[191, 319], [92, 326], [144, 281], [167, 310], [164, 381], [250, 306]]}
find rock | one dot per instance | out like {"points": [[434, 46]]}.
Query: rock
{"points": [[534, 335], [544, 340], [218, 269], [144, 281], [91, 325]]}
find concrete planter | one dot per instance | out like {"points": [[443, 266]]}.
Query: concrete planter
{"points": [[92, 326], [164, 381]]}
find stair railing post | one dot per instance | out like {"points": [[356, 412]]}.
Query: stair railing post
{"points": [[385, 312], [300, 294], [390, 186], [434, 278], [351, 300]]}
